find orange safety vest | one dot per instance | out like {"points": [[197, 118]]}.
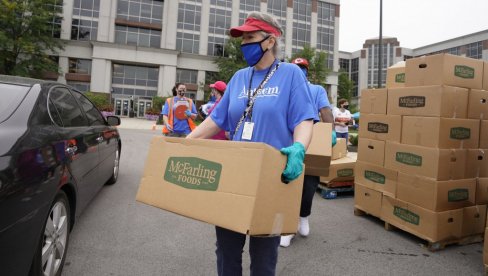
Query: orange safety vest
{"points": [[191, 124]]}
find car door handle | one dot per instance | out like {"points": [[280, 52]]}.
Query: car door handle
{"points": [[71, 150], [99, 139]]}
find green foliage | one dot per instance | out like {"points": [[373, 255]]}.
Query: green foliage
{"points": [[346, 86], [354, 139], [26, 36], [100, 100], [318, 70], [231, 62], [158, 103]]}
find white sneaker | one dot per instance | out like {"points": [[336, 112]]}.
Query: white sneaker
{"points": [[286, 240], [303, 227]]}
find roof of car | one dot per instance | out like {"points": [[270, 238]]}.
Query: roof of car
{"points": [[21, 80]]}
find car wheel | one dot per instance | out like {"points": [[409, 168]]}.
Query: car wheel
{"points": [[115, 173], [51, 252]]}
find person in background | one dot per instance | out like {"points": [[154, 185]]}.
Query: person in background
{"points": [[204, 108], [342, 119], [218, 90], [178, 114], [310, 182], [267, 102]]}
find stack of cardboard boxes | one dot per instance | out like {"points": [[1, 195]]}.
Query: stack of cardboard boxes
{"points": [[341, 171], [421, 162]]}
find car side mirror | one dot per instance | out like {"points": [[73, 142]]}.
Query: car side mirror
{"points": [[113, 120]]}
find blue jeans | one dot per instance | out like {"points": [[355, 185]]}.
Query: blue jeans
{"points": [[230, 244], [310, 184], [343, 135]]}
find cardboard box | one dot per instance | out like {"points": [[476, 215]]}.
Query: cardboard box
{"points": [[421, 222], [381, 127], [484, 135], [439, 132], [377, 178], [474, 220], [234, 185], [371, 151], [444, 69], [477, 163], [340, 149], [341, 169], [478, 104], [481, 191], [485, 76], [431, 101], [367, 200], [373, 101], [395, 76], [319, 152], [440, 164], [436, 195]]}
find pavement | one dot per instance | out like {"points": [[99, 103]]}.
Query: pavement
{"points": [[139, 123]]}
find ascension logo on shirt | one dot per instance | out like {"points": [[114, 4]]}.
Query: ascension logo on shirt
{"points": [[265, 92]]}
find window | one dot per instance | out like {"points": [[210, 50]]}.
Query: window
{"points": [[137, 36], [145, 11], [92, 114], [278, 9], [474, 50], [246, 7], [220, 15], [355, 75], [135, 80], [80, 86], [12, 96], [302, 20], [84, 25], [66, 107], [344, 65], [188, 26], [80, 66], [186, 76], [57, 7]]}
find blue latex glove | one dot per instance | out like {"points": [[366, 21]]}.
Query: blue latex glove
{"points": [[188, 113], [334, 138], [294, 163]]}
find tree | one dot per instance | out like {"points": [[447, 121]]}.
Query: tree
{"points": [[346, 86], [318, 70], [231, 62], [26, 36]]}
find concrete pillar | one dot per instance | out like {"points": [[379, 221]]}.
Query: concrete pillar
{"points": [[101, 75], [289, 31], [313, 30], [234, 21], [264, 6], [205, 18], [106, 21], [170, 23], [167, 79], [200, 80], [67, 18], [64, 67]]}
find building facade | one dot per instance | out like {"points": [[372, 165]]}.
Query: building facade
{"points": [[362, 65], [137, 49]]}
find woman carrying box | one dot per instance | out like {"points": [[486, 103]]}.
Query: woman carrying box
{"points": [[267, 102]]}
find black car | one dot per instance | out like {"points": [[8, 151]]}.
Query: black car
{"points": [[56, 152]]}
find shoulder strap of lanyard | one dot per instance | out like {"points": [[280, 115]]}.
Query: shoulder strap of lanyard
{"points": [[250, 104]]}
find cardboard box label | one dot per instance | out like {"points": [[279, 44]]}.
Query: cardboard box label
{"points": [[457, 195], [460, 133], [406, 215], [464, 71], [345, 173], [377, 127], [409, 159], [375, 177], [193, 173], [400, 78], [411, 101]]}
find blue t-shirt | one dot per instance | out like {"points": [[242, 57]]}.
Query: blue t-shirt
{"points": [[319, 97], [283, 103], [179, 126]]}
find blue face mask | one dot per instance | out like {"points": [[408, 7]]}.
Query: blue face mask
{"points": [[304, 71], [212, 99], [253, 52]]}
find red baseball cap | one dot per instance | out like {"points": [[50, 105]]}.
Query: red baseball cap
{"points": [[301, 62], [219, 85], [251, 25]]}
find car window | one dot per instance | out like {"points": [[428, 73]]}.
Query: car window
{"points": [[67, 107], [12, 96], [94, 116]]}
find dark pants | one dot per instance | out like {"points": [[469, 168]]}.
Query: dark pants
{"points": [[230, 244], [310, 184], [343, 135]]}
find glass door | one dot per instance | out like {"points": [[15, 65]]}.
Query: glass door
{"points": [[118, 107], [143, 105]]}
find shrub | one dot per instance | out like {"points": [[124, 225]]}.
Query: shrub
{"points": [[100, 100]]}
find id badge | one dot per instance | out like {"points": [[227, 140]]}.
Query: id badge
{"points": [[247, 130]]}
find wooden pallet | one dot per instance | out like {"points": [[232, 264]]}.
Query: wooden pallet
{"points": [[431, 246], [337, 184]]}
